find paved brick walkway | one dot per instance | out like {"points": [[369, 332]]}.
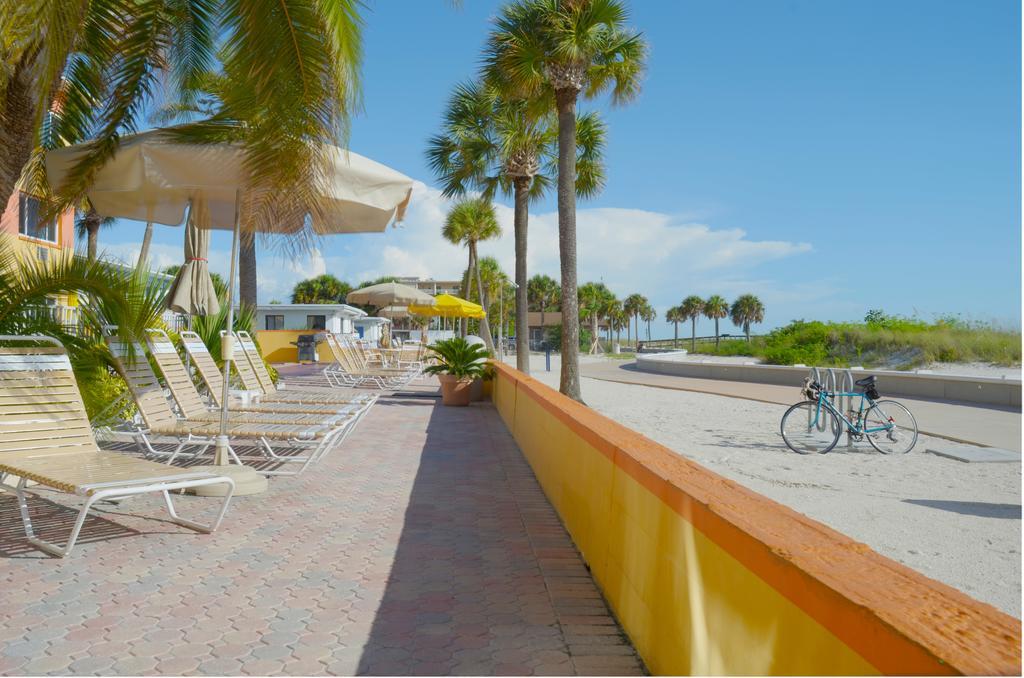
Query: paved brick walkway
{"points": [[423, 546]]}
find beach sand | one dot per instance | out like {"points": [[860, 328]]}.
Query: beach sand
{"points": [[955, 522]]}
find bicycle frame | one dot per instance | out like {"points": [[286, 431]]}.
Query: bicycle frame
{"points": [[825, 399]]}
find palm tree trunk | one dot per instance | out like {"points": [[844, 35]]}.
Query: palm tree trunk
{"points": [[91, 221], [247, 276], [716, 334], [675, 341], [693, 334], [466, 289], [485, 325], [746, 330], [18, 120], [570, 377], [93, 234], [648, 330], [521, 222], [146, 239]]}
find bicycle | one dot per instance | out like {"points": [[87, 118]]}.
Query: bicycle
{"points": [[814, 424]]}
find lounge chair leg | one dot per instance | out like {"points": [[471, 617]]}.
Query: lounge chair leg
{"points": [[200, 527], [23, 508], [41, 544], [269, 451]]}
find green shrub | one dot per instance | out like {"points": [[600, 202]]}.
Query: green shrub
{"points": [[883, 341]]}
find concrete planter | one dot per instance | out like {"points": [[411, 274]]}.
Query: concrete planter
{"points": [[455, 391]]}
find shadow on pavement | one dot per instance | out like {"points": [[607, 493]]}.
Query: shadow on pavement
{"points": [[971, 508]]}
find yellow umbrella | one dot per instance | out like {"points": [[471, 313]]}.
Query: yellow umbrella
{"points": [[448, 306]]}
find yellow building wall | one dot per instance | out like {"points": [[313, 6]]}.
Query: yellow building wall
{"points": [[707, 577], [276, 345]]}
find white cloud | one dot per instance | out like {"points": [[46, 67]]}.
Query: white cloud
{"points": [[630, 250], [662, 256]]}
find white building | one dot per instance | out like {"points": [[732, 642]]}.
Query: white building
{"points": [[370, 327], [336, 318]]}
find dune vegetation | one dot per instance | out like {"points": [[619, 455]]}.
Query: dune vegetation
{"points": [[881, 341]]}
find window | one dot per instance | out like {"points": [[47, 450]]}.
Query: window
{"points": [[275, 322], [29, 210], [316, 322]]}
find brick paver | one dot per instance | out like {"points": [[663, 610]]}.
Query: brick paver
{"points": [[423, 546]]}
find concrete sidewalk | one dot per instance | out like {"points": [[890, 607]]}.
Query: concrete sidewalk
{"points": [[990, 426]]}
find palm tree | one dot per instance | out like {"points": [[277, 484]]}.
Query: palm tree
{"points": [[620, 320], [675, 316], [633, 304], [468, 223], [593, 303], [491, 280], [745, 311], [491, 143], [86, 69], [691, 309], [544, 294], [248, 278], [323, 289], [87, 225], [549, 52], [647, 314], [108, 294], [716, 308], [610, 307]]}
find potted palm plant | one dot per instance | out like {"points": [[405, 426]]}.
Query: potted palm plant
{"points": [[458, 364]]}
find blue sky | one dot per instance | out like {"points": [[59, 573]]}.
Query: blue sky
{"points": [[829, 156]]}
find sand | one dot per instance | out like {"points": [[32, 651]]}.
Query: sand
{"points": [[955, 522]]}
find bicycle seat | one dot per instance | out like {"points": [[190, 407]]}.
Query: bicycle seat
{"points": [[866, 381]]}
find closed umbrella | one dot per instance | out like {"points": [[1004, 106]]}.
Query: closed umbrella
{"points": [[388, 294], [154, 176], [192, 291]]}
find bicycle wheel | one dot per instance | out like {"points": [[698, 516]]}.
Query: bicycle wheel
{"points": [[900, 435], [806, 434]]}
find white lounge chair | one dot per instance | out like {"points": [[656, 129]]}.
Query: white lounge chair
{"points": [[159, 420], [45, 437], [214, 380], [191, 405]]}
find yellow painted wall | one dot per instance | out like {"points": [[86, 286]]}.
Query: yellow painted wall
{"points": [[707, 577], [276, 345]]}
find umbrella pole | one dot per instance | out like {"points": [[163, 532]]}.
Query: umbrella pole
{"points": [[228, 341]]}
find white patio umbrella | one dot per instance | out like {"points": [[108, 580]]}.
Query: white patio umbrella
{"points": [[389, 294], [153, 177], [393, 312]]}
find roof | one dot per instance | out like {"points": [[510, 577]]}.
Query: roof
{"points": [[326, 309]]}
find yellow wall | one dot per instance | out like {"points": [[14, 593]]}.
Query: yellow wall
{"points": [[277, 348], [708, 577]]}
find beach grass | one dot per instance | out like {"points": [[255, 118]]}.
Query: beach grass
{"points": [[884, 342]]}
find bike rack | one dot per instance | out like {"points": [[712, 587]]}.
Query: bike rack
{"points": [[832, 381]]}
